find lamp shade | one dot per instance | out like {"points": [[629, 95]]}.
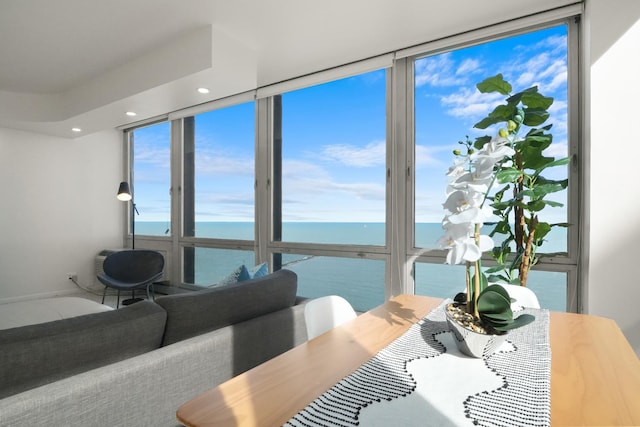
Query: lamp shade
{"points": [[124, 193]]}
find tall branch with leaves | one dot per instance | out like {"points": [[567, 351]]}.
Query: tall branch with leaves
{"points": [[521, 178]]}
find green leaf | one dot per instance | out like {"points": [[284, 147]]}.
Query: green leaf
{"points": [[535, 116], [542, 229], [533, 159], [536, 100], [544, 189], [515, 98], [501, 205], [503, 227], [508, 175], [539, 191], [553, 203], [564, 183], [536, 205], [503, 112], [498, 278], [499, 317], [541, 141], [494, 84], [494, 299], [486, 122], [558, 162], [523, 319]]}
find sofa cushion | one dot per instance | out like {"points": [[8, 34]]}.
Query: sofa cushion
{"points": [[194, 313], [39, 354]]}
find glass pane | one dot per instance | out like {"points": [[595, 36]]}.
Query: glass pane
{"points": [[550, 288], [152, 179], [359, 281], [439, 280], [219, 177], [447, 105], [445, 281], [334, 160], [212, 265]]}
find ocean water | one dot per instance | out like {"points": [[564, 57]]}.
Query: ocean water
{"points": [[360, 281]]}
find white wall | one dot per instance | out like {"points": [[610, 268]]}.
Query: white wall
{"points": [[614, 205], [58, 209]]}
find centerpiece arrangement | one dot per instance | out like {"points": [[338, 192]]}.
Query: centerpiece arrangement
{"points": [[501, 177]]}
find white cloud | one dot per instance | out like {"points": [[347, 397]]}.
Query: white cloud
{"points": [[207, 164], [468, 66], [556, 44], [439, 70], [557, 149], [144, 155], [470, 103], [372, 154], [426, 155], [547, 71], [302, 187], [308, 185], [558, 111], [293, 168], [361, 191]]}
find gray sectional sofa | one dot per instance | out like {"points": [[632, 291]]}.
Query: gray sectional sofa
{"points": [[135, 366]]}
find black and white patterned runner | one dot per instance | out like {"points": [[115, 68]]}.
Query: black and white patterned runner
{"points": [[422, 379]]}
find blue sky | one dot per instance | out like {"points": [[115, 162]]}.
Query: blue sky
{"points": [[448, 104], [334, 137]]}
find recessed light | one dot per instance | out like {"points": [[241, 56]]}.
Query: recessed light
{"points": [[131, 113], [203, 90], [76, 129]]}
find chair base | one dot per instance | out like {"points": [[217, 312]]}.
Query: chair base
{"points": [[130, 301]]}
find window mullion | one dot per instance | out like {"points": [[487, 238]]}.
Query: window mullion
{"points": [[400, 171]]}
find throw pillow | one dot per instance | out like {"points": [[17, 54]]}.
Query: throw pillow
{"points": [[239, 274], [259, 270]]}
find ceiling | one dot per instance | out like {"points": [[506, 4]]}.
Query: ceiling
{"points": [[84, 63]]}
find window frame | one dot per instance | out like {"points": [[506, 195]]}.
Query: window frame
{"points": [[399, 252], [566, 264]]}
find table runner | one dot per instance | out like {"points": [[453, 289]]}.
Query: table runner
{"points": [[422, 379]]}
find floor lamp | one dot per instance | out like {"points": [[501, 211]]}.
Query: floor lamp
{"points": [[124, 194]]}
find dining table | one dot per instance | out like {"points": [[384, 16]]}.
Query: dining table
{"points": [[594, 372]]}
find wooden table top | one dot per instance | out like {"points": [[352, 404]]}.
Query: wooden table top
{"points": [[595, 374]]}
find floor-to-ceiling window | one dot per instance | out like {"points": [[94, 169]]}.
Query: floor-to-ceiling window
{"points": [[218, 192], [446, 107], [332, 156], [342, 180], [151, 179]]}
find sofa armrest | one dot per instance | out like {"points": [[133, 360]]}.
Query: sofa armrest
{"points": [[38, 354]]}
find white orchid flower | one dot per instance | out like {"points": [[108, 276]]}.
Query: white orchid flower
{"points": [[470, 180], [458, 167], [460, 200], [473, 215], [468, 250], [462, 252]]}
